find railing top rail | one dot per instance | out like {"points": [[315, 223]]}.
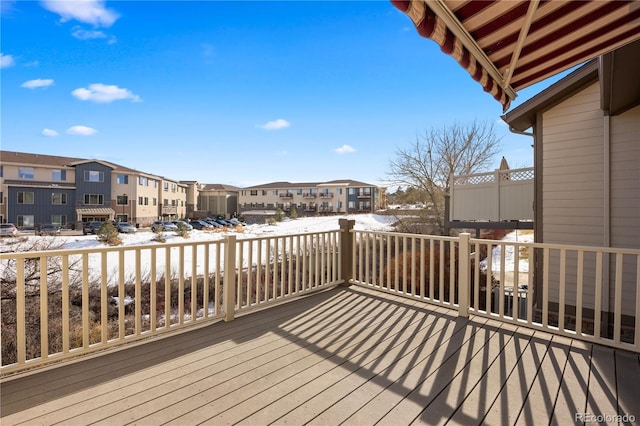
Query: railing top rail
{"points": [[555, 246], [406, 234], [149, 246]]}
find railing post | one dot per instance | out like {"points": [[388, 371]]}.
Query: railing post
{"points": [[229, 287], [346, 249], [464, 287]]}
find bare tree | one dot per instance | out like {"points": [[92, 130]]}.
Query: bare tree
{"points": [[430, 161]]}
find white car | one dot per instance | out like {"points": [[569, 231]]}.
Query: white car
{"points": [[8, 230], [163, 226]]}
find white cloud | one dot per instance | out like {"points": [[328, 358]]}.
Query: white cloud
{"points": [[81, 131], [344, 149], [102, 93], [87, 11], [280, 123], [6, 61], [38, 82], [49, 132]]}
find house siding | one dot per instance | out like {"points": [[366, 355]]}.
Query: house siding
{"points": [[578, 186], [573, 193], [625, 179]]}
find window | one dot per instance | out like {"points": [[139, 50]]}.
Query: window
{"points": [[93, 176], [140, 201], [58, 198], [173, 203], [155, 201], [1, 197], [339, 190], [275, 192], [254, 193], [146, 201], [339, 204], [122, 200], [299, 191], [26, 221], [59, 219], [122, 179], [59, 175], [264, 192], [1, 172], [352, 204], [166, 186], [143, 181], [165, 202], [25, 197], [352, 191], [155, 183], [173, 187], [94, 199], [25, 173]]}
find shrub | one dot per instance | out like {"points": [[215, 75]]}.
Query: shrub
{"points": [[183, 231], [294, 213], [279, 217], [107, 233]]}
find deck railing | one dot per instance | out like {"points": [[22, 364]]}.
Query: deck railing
{"points": [[588, 293], [102, 297]]}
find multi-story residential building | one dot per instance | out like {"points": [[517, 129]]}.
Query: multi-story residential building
{"points": [[37, 189], [311, 198]]}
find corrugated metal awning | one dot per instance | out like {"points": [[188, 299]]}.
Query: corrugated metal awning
{"points": [[97, 211], [509, 45]]}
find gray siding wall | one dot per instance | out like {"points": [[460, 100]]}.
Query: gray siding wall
{"points": [[625, 179], [578, 186], [573, 168]]}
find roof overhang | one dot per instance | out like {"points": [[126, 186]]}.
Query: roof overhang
{"points": [[509, 45]]}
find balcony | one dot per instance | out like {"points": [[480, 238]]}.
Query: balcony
{"points": [[364, 194], [169, 210], [309, 195], [287, 196], [290, 341], [326, 195]]}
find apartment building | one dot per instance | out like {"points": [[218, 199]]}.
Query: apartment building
{"points": [[65, 191], [312, 198]]}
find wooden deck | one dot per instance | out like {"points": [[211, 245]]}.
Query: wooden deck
{"points": [[346, 355]]}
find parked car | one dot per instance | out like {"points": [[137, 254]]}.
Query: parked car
{"points": [[212, 223], [235, 222], [225, 223], [91, 227], [199, 224], [160, 225], [184, 222], [8, 230], [48, 229], [125, 228]]}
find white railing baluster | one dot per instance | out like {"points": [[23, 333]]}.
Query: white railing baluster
{"points": [[66, 304], [85, 302], [104, 299], [562, 288], [617, 300], [138, 293], [21, 330], [153, 291], [44, 307], [579, 289]]}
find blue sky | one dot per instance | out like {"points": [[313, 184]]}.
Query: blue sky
{"points": [[236, 93]]}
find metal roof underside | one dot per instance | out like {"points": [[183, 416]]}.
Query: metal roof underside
{"points": [[509, 45]]}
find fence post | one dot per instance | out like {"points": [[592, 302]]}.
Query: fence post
{"points": [[229, 287], [464, 287], [346, 250]]}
